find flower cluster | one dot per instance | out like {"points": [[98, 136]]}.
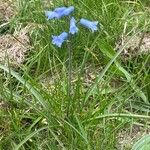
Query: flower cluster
{"points": [[60, 12]]}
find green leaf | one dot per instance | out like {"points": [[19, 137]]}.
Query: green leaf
{"points": [[142, 144], [17, 147], [107, 50], [26, 84]]}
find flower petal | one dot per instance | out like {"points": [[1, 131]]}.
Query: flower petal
{"points": [[50, 14], [92, 25], [59, 12], [73, 27], [60, 9], [68, 11], [58, 40]]}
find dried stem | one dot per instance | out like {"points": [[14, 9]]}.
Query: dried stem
{"points": [[141, 40]]}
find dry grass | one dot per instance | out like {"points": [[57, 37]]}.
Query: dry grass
{"points": [[6, 10], [127, 137], [14, 47], [139, 44]]}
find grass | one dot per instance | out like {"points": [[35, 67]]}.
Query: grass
{"points": [[108, 95]]}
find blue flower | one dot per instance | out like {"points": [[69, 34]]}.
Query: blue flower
{"points": [[59, 12], [67, 11], [58, 40], [50, 14], [73, 27], [89, 24], [60, 9]]}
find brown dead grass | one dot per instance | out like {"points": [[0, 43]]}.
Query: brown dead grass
{"points": [[13, 48], [128, 136], [139, 44], [6, 10]]}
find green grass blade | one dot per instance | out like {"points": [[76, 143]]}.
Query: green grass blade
{"points": [[110, 52], [81, 129], [29, 137], [78, 132], [102, 74], [118, 115], [26, 84], [142, 144], [57, 139]]}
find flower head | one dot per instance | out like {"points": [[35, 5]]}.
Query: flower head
{"points": [[67, 11], [58, 40], [89, 24], [50, 14], [59, 12], [60, 9], [73, 27]]}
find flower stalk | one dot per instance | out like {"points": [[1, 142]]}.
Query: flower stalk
{"points": [[58, 40], [65, 2], [69, 85]]}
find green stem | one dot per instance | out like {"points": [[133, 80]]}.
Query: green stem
{"points": [[118, 116], [69, 89], [69, 69], [65, 2]]}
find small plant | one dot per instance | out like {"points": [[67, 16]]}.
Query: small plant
{"points": [[58, 40]]}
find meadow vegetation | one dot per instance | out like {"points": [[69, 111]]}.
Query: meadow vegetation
{"points": [[109, 104]]}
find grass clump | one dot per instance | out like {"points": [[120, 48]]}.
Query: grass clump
{"points": [[110, 91]]}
